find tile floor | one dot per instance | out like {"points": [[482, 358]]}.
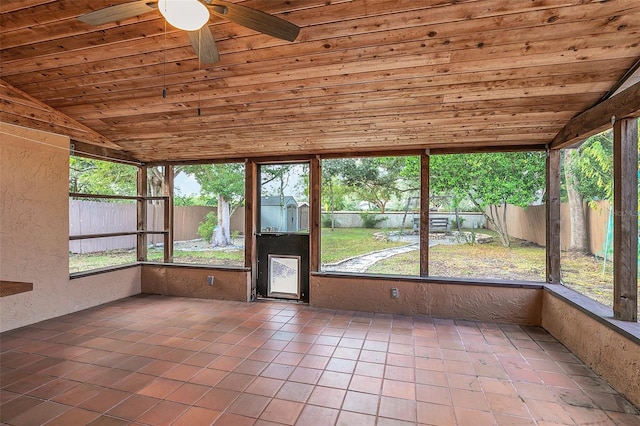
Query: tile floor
{"points": [[157, 360]]}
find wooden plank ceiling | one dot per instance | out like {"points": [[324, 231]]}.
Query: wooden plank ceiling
{"points": [[363, 75]]}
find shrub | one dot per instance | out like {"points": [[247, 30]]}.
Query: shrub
{"points": [[370, 220], [205, 229], [326, 221]]}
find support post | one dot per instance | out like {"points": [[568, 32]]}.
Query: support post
{"points": [[315, 179], [168, 213], [625, 220], [251, 212], [552, 229], [249, 190], [424, 214], [141, 214]]}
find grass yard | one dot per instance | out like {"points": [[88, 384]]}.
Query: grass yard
{"points": [[87, 262], [522, 261], [343, 243]]}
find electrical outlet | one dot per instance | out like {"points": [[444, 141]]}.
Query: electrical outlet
{"points": [[210, 280], [395, 293]]}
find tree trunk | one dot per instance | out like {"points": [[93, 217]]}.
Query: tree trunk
{"points": [[579, 237], [221, 233]]}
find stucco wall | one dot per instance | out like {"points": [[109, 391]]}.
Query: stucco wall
{"points": [[34, 233], [192, 282], [610, 354], [443, 300]]}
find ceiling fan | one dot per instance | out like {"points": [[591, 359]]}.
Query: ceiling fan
{"points": [[193, 15]]}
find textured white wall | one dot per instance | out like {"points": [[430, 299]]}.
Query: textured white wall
{"points": [[34, 233]]}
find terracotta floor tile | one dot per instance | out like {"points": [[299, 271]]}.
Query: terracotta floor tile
{"points": [[359, 402], [265, 355], [278, 371], [398, 389], [510, 405], [228, 419], [292, 391], [397, 408], [105, 420], [435, 414], [53, 389], [506, 420], [104, 400], [549, 412], [314, 361], [435, 378], [74, 416], [312, 415], [281, 411], [373, 356], [497, 386], [404, 374], [249, 405], [39, 414], [202, 361], [433, 394], [133, 407], [163, 413], [334, 379], [348, 418], [463, 381], [251, 367], [341, 365], [160, 388], [197, 416], [235, 381], [265, 386], [133, 382], [182, 372], [466, 416], [469, 399], [327, 397], [217, 399], [78, 394], [225, 363], [187, 393]]}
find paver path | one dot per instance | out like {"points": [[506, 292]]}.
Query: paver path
{"points": [[364, 262]]}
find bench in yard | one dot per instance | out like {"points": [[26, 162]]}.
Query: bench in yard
{"points": [[436, 224]]}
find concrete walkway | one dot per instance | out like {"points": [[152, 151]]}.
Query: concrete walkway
{"points": [[365, 261]]}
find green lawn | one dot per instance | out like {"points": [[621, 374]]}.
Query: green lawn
{"points": [[343, 243]]}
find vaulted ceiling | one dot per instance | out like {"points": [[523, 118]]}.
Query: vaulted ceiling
{"points": [[363, 75]]}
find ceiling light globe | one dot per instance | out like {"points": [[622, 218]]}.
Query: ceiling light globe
{"points": [[188, 15]]}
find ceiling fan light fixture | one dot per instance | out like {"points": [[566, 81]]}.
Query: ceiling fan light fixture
{"points": [[188, 15]]}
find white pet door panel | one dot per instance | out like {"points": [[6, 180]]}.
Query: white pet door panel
{"points": [[284, 276]]}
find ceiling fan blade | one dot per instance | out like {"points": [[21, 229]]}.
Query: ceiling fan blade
{"points": [[204, 45], [255, 19], [117, 13]]}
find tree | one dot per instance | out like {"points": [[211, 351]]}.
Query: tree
{"points": [[333, 189], [490, 181], [89, 176], [226, 182], [374, 179]]}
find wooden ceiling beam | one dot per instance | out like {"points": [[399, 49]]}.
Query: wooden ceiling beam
{"points": [[626, 104], [22, 109]]}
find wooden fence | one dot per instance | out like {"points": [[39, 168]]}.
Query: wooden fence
{"points": [[529, 224], [95, 217]]}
